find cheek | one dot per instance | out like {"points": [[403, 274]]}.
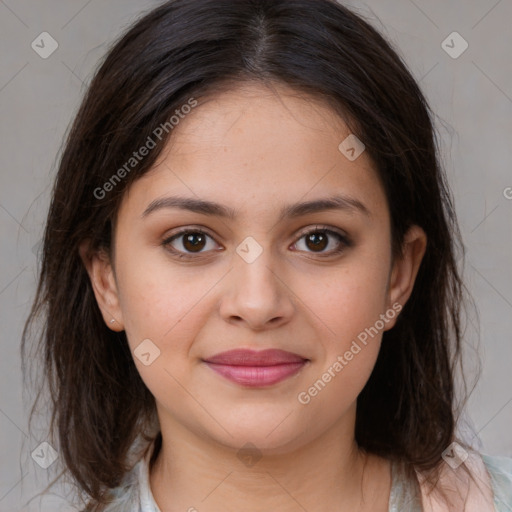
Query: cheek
{"points": [[350, 302], [350, 305], [165, 305], [348, 299], [157, 299]]}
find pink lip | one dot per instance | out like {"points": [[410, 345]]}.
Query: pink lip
{"points": [[256, 368]]}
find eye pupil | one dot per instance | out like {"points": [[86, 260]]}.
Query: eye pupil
{"points": [[319, 240], [193, 242], [194, 246]]}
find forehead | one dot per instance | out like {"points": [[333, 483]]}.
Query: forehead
{"points": [[229, 117], [253, 145]]}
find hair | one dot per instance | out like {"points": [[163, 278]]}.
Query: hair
{"points": [[186, 49]]}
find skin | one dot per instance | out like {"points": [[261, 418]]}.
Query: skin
{"points": [[256, 151]]}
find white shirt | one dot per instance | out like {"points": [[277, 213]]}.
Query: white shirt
{"points": [[134, 494]]}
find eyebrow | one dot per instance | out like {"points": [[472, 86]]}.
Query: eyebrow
{"points": [[337, 202]]}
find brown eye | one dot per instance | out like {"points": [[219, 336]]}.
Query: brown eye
{"points": [[188, 242], [317, 240], [194, 242]]}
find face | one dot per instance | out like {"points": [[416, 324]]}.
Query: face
{"points": [[256, 271]]}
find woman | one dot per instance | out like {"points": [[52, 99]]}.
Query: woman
{"points": [[249, 279]]}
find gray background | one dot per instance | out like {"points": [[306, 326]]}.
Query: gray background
{"points": [[471, 94]]}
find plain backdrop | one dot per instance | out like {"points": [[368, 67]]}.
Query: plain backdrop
{"points": [[471, 94]]}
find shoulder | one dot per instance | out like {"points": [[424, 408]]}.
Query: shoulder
{"points": [[465, 483], [125, 497], [500, 471], [134, 492]]}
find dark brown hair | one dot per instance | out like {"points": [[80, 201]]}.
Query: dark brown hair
{"points": [[190, 49]]}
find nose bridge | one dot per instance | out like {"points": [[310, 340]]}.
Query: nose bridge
{"points": [[257, 294]]}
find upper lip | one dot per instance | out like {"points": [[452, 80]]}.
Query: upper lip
{"points": [[245, 357]]}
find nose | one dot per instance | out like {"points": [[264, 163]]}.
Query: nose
{"points": [[256, 294]]}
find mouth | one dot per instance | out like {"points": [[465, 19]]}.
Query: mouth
{"points": [[256, 368]]}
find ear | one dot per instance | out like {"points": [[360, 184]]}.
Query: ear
{"points": [[405, 269], [101, 274]]}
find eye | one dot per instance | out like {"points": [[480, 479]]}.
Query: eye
{"points": [[187, 242], [321, 237]]}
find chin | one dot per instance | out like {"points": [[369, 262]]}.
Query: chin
{"points": [[267, 437]]}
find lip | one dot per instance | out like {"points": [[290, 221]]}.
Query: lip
{"points": [[256, 368]]}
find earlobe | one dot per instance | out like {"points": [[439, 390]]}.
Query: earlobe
{"points": [[101, 275], [405, 269]]}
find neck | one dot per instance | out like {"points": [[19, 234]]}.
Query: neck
{"points": [[193, 473]]}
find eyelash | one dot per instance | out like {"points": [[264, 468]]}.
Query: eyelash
{"points": [[345, 242]]}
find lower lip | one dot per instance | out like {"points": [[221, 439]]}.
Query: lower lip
{"points": [[256, 376]]}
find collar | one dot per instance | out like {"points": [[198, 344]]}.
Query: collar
{"points": [[147, 501]]}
